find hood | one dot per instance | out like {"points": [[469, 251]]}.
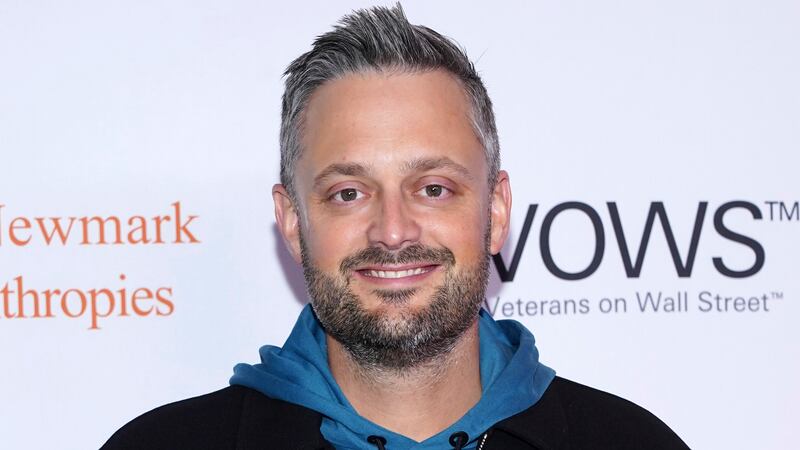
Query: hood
{"points": [[512, 380]]}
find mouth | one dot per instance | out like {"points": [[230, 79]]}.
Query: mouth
{"points": [[395, 274]]}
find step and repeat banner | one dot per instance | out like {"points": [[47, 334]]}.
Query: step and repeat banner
{"points": [[653, 150]]}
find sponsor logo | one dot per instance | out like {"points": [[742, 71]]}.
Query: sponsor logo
{"points": [[625, 239], [609, 234], [21, 299]]}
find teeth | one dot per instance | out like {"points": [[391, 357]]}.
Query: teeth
{"points": [[395, 273]]}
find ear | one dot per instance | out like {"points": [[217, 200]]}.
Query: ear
{"points": [[501, 212], [288, 220]]}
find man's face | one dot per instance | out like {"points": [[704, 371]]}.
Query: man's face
{"points": [[394, 218]]}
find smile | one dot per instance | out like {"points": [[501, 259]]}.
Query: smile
{"points": [[383, 273], [396, 273]]}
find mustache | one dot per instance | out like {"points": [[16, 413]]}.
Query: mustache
{"points": [[411, 254]]}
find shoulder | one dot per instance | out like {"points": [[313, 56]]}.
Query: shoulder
{"points": [[587, 418], [207, 421], [228, 418], [601, 413]]}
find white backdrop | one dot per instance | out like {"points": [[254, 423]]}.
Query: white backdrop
{"points": [[124, 109]]}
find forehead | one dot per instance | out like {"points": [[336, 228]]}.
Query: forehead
{"points": [[389, 118]]}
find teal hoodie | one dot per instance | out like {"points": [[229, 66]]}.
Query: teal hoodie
{"points": [[512, 379]]}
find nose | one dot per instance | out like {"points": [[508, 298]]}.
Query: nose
{"points": [[394, 226]]}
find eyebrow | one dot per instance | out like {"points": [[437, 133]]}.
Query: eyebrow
{"points": [[426, 164], [346, 169], [415, 165]]}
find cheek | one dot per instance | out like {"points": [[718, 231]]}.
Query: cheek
{"points": [[330, 240], [464, 234]]}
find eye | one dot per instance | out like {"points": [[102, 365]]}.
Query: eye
{"points": [[435, 191], [347, 195]]}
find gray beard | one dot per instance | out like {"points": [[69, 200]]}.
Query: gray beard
{"points": [[377, 343]]}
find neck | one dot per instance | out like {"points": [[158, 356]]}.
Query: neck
{"points": [[419, 402]]}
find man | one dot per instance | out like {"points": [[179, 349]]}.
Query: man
{"points": [[392, 199]]}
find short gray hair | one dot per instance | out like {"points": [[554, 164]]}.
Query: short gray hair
{"points": [[379, 39]]}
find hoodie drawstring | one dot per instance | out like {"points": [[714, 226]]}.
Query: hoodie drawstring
{"points": [[458, 440], [377, 441]]}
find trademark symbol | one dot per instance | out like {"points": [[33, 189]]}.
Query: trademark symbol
{"points": [[776, 295], [783, 211]]}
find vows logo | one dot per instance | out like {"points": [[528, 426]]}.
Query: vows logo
{"points": [[683, 263]]}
